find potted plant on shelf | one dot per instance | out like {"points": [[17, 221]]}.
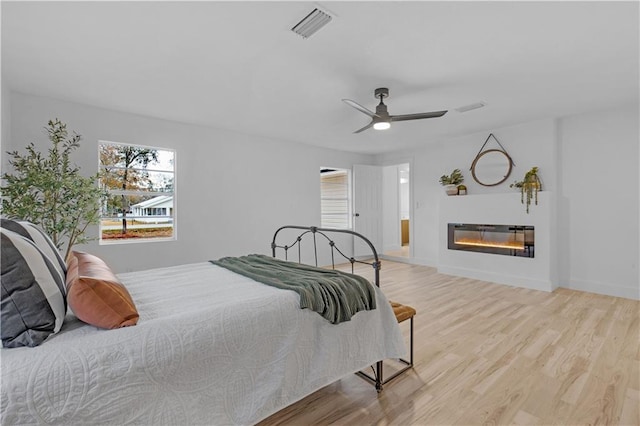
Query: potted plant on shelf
{"points": [[451, 182], [529, 187]]}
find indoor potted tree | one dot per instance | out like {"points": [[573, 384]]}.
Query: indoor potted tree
{"points": [[49, 191], [451, 182], [529, 187]]}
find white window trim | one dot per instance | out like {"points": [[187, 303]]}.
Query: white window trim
{"points": [[174, 235]]}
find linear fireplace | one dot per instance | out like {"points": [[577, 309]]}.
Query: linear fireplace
{"points": [[510, 240]]}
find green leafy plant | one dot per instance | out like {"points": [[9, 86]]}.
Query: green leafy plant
{"points": [[529, 187], [49, 190], [455, 178]]}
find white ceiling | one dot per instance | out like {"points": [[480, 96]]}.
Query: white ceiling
{"points": [[237, 65]]}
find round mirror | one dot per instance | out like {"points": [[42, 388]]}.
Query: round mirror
{"points": [[491, 167]]}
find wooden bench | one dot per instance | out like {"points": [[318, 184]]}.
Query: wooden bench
{"points": [[402, 313]]}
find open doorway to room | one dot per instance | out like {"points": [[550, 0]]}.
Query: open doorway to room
{"points": [[396, 210]]}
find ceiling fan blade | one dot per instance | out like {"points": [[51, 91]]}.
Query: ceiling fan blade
{"points": [[418, 116], [364, 128], [359, 107]]}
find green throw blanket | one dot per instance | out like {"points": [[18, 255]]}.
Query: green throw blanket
{"points": [[337, 296]]}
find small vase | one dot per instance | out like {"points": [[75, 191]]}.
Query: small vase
{"points": [[451, 189]]}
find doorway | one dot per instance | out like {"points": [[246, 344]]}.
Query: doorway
{"points": [[396, 210]]}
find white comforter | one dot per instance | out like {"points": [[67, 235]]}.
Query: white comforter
{"points": [[211, 347]]}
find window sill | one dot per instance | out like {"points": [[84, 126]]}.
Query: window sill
{"points": [[116, 241]]}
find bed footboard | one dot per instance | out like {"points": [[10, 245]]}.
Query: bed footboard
{"points": [[314, 234]]}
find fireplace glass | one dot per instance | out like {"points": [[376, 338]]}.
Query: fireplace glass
{"points": [[509, 240]]}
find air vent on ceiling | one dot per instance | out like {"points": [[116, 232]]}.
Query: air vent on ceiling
{"points": [[311, 23], [470, 107]]}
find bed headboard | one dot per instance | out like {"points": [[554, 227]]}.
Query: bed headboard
{"points": [[312, 233]]}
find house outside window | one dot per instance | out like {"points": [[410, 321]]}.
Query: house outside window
{"points": [[140, 182], [335, 198]]}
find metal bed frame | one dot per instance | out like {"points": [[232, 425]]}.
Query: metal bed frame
{"points": [[314, 231]]}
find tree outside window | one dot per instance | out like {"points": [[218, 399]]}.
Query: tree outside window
{"points": [[140, 182]]}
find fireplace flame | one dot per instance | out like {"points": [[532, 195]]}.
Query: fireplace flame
{"points": [[514, 245]]}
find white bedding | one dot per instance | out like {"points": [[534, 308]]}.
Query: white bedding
{"points": [[211, 347]]}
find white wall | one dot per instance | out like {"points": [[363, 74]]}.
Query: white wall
{"points": [[598, 213], [504, 209], [529, 144], [6, 117], [233, 190], [580, 158], [405, 200], [390, 209]]}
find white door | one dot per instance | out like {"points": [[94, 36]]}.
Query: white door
{"points": [[367, 208]]}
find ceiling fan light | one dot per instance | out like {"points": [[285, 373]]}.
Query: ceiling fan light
{"points": [[381, 125]]}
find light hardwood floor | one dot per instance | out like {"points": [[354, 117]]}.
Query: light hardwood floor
{"points": [[493, 354]]}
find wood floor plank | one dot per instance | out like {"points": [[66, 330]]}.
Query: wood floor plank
{"points": [[493, 354], [631, 408]]}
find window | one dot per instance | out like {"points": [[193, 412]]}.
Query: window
{"points": [[140, 182], [335, 198]]}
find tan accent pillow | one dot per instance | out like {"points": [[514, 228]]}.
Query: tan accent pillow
{"points": [[95, 295]]}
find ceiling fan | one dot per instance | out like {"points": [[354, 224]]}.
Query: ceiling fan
{"points": [[381, 120]]}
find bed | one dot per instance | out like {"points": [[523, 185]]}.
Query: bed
{"points": [[210, 347]]}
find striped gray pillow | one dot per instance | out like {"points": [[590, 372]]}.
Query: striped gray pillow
{"points": [[33, 304], [39, 238]]}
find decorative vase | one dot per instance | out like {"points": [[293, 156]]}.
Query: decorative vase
{"points": [[451, 189]]}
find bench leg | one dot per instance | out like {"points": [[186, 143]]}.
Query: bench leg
{"points": [[379, 379], [411, 344]]}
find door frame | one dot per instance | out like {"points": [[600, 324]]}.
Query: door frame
{"points": [[412, 204]]}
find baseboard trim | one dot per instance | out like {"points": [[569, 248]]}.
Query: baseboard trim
{"points": [[605, 289], [392, 247], [410, 260], [512, 280], [423, 261], [518, 281]]}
